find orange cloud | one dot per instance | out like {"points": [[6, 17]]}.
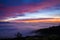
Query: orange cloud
{"points": [[38, 20]]}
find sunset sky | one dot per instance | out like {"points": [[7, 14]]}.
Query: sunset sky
{"points": [[28, 11]]}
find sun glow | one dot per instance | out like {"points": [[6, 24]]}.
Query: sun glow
{"points": [[52, 20]]}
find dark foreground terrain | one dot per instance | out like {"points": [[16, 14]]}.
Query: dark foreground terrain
{"points": [[51, 33]]}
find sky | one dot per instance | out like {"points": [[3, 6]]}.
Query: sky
{"points": [[29, 9], [29, 12]]}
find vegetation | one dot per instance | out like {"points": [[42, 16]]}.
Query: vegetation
{"points": [[51, 33]]}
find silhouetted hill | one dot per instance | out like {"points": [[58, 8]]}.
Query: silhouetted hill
{"points": [[51, 33], [48, 31]]}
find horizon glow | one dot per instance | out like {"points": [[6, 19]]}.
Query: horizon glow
{"points": [[36, 15]]}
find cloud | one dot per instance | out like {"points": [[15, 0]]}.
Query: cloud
{"points": [[34, 15], [10, 29], [9, 11], [49, 20]]}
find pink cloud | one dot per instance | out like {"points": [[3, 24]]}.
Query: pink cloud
{"points": [[10, 11], [30, 8]]}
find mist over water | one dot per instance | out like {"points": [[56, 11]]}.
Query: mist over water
{"points": [[9, 29]]}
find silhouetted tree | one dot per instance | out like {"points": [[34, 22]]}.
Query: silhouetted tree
{"points": [[19, 36]]}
